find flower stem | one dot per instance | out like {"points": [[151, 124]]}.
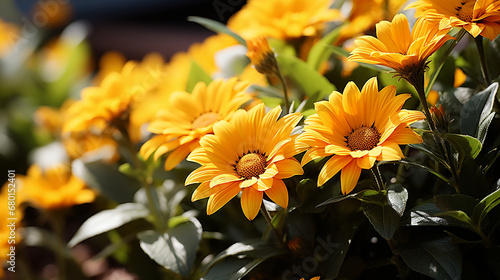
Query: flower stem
{"points": [[377, 176], [285, 91], [484, 67], [442, 60], [266, 215]]}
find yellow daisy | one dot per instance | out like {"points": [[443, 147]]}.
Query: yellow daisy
{"points": [[478, 17], [252, 154], [53, 188], [358, 128], [282, 19], [397, 48], [9, 34], [188, 117]]}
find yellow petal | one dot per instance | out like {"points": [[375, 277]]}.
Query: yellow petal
{"points": [[349, 177], [332, 167], [224, 179], [288, 168], [251, 201], [219, 199], [278, 193], [390, 151]]}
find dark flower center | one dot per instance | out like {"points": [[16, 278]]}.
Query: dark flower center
{"points": [[251, 165], [363, 138]]}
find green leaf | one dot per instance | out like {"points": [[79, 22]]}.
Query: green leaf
{"points": [[450, 202], [397, 196], [383, 218], [106, 178], [217, 27], [197, 74], [458, 215], [424, 215], [232, 269], [412, 162], [485, 206], [255, 248], [360, 195], [466, 146], [109, 219], [319, 52], [475, 115], [175, 249], [439, 259], [304, 76]]}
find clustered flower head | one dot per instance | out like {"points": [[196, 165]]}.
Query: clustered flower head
{"points": [[251, 153], [398, 48], [357, 128], [478, 17]]}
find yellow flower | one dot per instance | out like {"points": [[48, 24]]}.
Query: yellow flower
{"points": [[110, 105], [53, 188], [261, 56], [365, 14], [9, 34], [358, 128], [481, 17], [282, 19], [314, 278], [252, 154], [399, 49], [188, 117]]}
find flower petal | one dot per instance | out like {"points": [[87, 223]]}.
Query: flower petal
{"points": [[223, 196], [278, 193], [349, 177], [251, 200], [332, 167]]}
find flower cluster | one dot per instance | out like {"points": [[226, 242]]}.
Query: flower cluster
{"points": [[269, 149]]}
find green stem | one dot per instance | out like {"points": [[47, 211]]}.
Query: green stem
{"points": [[484, 67], [377, 176], [285, 91], [266, 215], [154, 205], [442, 60]]}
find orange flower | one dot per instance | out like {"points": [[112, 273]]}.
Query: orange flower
{"points": [[53, 188], [478, 17], [261, 56], [188, 117], [358, 128], [399, 49], [282, 19], [252, 154]]}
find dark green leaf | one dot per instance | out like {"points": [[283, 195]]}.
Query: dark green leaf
{"points": [[424, 215], [107, 180], [485, 206], [450, 202], [109, 219], [397, 196], [254, 248], [383, 218], [439, 259], [475, 113], [458, 215], [217, 27], [196, 74], [232, 269], [304, 76], [343, 197], [411, 162], [176, 249], [467, 146]]}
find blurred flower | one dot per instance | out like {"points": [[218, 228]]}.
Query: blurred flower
{"points": [[358, 128], [53, 188], [111, 104], [459, 78], [262, 56], [314, 278], [8, 237], [9, 34], [282, 19], [433, 97], [109, 62], [251, 153], [399, 49], [188, 117], [365, 14], [477, 17]]}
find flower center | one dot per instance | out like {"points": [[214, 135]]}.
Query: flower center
{"points": [[251, 165], [205, 119], [465, 10], [363, 138]]}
